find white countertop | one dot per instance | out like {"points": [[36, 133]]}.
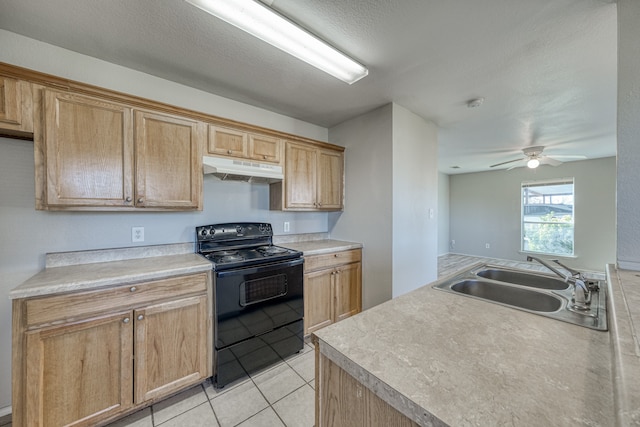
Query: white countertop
{"points": [[449, 360]]}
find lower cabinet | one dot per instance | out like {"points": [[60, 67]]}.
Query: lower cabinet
{"points": [[110, 351], [343, 401], [332, 288]]}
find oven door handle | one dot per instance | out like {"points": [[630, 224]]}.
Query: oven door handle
{"points": [[261, 268]]}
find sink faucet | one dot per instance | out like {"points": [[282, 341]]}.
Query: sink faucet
{"points": [[581, 294]]}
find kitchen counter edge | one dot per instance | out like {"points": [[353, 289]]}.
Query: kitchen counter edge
{"points": [[80, 277], [319, 247]]}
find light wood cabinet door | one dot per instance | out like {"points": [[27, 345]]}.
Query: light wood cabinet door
{"points": [[265, 148], [318, 300], [170, 347], [78, 374], [16, 105], [313, 179], [88, 151], [301, 175], [330, 180], [227, 142], [348, 291], [342, 400], [168, 161]]}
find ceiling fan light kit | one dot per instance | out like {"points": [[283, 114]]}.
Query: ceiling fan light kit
{"points": [[264, 23], [533, 163]]}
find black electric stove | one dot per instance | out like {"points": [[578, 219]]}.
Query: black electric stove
{"points": [[258, 293]]}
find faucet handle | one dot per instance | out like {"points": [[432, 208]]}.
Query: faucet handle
{"points": [[577, 274]]}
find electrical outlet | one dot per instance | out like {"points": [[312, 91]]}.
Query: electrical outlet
{"points": [[487, 245], [137, 234], [286, 226]]}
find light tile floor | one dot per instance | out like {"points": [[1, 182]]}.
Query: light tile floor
{"points": [[281, 395]]}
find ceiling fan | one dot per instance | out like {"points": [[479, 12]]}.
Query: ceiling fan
{"points": [[534, 158]]}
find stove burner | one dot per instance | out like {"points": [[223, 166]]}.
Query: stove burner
{"points": [[271, 250], [225, 253], [229, 258]]}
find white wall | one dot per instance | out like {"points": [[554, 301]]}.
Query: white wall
{"points": [[485, 208], [628, 196], [368, 208], [26, 234], [443, 214], [391, 182], [415, 194]]}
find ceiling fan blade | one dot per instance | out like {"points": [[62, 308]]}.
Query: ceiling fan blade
{"points": [[578, 157], [504, 163], [550, 161]]}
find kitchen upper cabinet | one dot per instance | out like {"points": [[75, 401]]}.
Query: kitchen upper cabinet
{"points": [[313, 181], [229, 142], [88, 151], [168, 161], [79, 373], [16, 107], [83, 358], [98, 154], [332, 288], [330, 179]]}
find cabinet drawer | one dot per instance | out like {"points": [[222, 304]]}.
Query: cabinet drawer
{"points": [[74, 306], [318, 262]]}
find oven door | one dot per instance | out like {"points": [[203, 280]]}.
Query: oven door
{"points": [[255, 300]]}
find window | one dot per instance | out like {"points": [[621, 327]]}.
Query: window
{"points": [[547, 217]]}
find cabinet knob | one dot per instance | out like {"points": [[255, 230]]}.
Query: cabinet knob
{"points": [[128, 199], [125, 320], [140, 317], [140, 200], [335, 255], [264, 157], [133, 289], [229, 152]]}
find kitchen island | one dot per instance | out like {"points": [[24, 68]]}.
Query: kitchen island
{"points": [[441, 359]]}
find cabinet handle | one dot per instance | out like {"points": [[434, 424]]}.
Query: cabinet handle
{"points": [[140, 200], [128, 199], [125, 320], [140, 317]]}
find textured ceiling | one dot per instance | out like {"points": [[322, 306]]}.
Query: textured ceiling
{"points": [[546, 68]]}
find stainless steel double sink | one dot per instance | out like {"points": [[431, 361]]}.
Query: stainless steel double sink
{"points": [[534, 292]]}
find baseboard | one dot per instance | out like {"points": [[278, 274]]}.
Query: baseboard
{"points": [[5, 415], [629, 265]]}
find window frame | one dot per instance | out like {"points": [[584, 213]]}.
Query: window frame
{"points": [[543, 183]]}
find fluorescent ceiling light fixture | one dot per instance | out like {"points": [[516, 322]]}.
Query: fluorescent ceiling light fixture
{"points": [[262, 22], [533, 163]]}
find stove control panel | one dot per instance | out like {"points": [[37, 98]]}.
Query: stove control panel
{"points": [[231, 231]]}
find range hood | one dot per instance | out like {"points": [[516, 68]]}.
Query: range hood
{"points": [[241, 170]]}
